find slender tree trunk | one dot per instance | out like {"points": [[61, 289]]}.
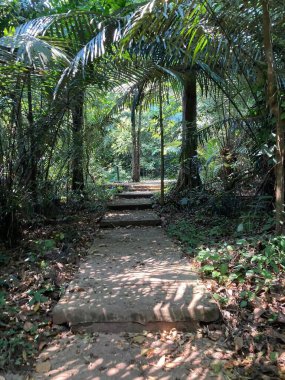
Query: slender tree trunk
{"points": [[135, 144], [23, 155], [162, 166], [189, 172], [32, 180], [77, 141], [275, 109]]}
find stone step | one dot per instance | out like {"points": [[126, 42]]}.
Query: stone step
{"points": [[142, 188], [135, 194], [127, 218], [130, 204], [135, 278]]}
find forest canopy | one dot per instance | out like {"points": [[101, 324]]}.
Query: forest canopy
{"points": [[88, 86]]}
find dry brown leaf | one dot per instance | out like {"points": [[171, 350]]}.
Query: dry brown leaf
{"points": [[77, 289], [229, 364], [139, 339], [44, 356], [258, 311], [24, 355], [42, 344], [176, 362], [275, 334], [281, 363], [161, 362], [238, 343], [215, 335], [28, 326], [144, 351], [43, 367], [281, 318], [60, 266], [36, 307], [171, 365]]}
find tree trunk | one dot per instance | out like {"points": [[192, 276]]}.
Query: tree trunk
{"points": [[162, 165], [77, 142], [188, 177], [32, 180], [276, 111], [135, 144]]}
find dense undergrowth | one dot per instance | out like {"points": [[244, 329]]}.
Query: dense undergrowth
{"points": [[243, 264]]}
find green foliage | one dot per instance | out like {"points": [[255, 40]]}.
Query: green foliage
{"points": [[193, 236], [36, 296], [252, 259], [45, 245], [186, 233], [13, 345], [259, 259]]}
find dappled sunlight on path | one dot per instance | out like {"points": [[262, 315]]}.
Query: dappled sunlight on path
{"points": [[135, 275], [160, 356]]}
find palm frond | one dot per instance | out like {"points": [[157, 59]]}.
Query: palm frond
{"points": [[32, 51], [229, 126]]}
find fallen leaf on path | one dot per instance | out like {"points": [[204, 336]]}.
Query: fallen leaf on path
{"points": [[86, 359], [171, 365], [139, 339], [44, 356], [175, 363], [77, 289], [161, 362], [43, 367]]}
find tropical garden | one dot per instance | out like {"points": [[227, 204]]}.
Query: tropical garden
{"points": [[101, 92]]}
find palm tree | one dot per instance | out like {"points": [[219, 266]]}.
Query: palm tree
{"points": [[179, 35]]}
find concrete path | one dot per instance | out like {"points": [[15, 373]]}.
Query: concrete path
{"points": [[130, 300], [119, 214], [132, 356], [130, 218], [130, 203], [134, 279], [136, 194]]}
